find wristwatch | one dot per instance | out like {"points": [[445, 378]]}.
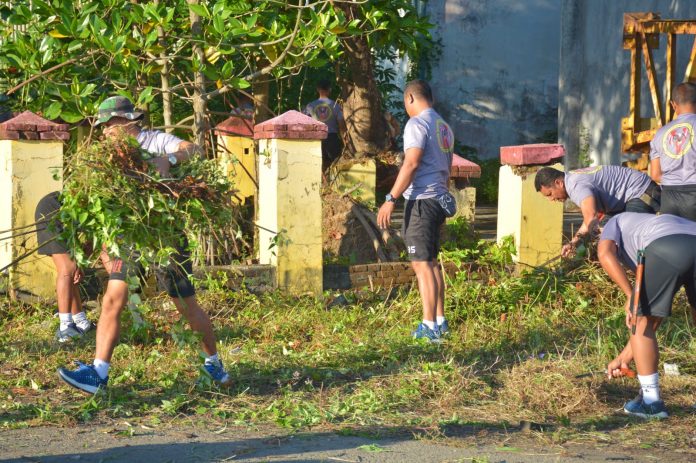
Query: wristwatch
{"points": [[389, 198], [172, 159]]}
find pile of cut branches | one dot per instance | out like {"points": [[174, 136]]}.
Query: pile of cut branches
{"points": [[113, 199]]}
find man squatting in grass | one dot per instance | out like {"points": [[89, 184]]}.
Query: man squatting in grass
{"points": [[73, 321], [673, 156], [669, 243], [608, 190], [119, 117], [422, 180]]}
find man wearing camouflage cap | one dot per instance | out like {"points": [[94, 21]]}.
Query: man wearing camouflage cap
{"points": [[119, 117]]}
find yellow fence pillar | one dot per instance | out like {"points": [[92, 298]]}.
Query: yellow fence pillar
{"points": [[289, 215], [31, 166], [535, 222], [359, 178], [237, 155]]}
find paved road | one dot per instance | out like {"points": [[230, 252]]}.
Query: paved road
{"points": [[116, 444]]}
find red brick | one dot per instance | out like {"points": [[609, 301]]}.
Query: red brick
{"points": [[235, 125], [54, 135], [292, 125], [47, 127], [8, 134], [60, 127], [526, 155], [19, 126], [29, 135]]}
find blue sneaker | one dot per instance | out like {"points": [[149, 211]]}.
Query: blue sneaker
{"points": [[87, 327], [423, 332], [217, 372], [643, 410], [443, 328], [69, 333], [84, 378]]}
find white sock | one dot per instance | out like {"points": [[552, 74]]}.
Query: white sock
{"points": [[80, 320], [440, 320], [212, 359], [102, 368], [429, 323], [650, 387], [65, 320]]}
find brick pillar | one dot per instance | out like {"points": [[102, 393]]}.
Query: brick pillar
{"points": [[237, 155], [465, 194], [289, 173], [534, 221], [31, 166]]}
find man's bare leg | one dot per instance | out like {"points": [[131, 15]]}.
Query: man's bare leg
{"points": [[199, 320]]}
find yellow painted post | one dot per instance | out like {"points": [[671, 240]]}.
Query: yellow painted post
{"points": [[290, 209], [359, 178], [237, 155], [535, 222], [31, 166], [462, 170]]}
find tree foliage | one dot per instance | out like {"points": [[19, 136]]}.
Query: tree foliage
{"points": [[62, 57]]}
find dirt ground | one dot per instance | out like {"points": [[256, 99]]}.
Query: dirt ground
{"points": [[121, 443]]}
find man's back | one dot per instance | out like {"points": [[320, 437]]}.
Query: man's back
{"points": [[327, 111], [673, 145]]}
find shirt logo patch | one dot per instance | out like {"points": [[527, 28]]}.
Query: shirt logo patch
{"points": [[587, 170], [678, 140], [444, 136], [323, 112]]}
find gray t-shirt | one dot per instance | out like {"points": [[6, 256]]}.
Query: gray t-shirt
{"points": [[158, 143], [611, 186], [433, 135], [327, 111], [632, 231], [673, 145]]}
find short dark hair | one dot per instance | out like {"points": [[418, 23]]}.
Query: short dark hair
{"points": [[546, 176], [684, 93], [324, 85], [420, 89]]}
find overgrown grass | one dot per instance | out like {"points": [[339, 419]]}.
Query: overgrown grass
{"points": [[515, 348]]}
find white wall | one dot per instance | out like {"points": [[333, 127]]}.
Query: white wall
{"points": [[496, 81], [595, 69]]}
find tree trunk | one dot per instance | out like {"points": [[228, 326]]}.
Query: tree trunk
{"points": [[164, 79], [261, 90], [200, 121], [363, 103]]}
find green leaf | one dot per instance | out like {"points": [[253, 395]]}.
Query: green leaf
{"points": [[200, 10], [53, 110], [238, 82]]}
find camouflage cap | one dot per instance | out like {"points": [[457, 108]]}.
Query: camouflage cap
{"points": [[117, 106]]}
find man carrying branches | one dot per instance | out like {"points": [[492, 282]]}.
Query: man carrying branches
{"points": [[120, 119]]}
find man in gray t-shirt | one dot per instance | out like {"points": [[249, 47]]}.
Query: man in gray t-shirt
{"points": [[326, 110], [599, 190], [422, 180], [673, 155], [668, 244]]}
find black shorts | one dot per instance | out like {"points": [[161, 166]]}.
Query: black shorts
{"points": [[330, 150], [48, 227], [670, 263], [648, 203], [174, 278], [421, 230], [679, 200]]}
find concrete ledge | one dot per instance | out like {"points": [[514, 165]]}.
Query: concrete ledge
{"points": [[535, 154], [382, 275]]}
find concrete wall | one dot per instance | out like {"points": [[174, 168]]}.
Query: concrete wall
{"points": [[496, 81], [595, 69]]}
